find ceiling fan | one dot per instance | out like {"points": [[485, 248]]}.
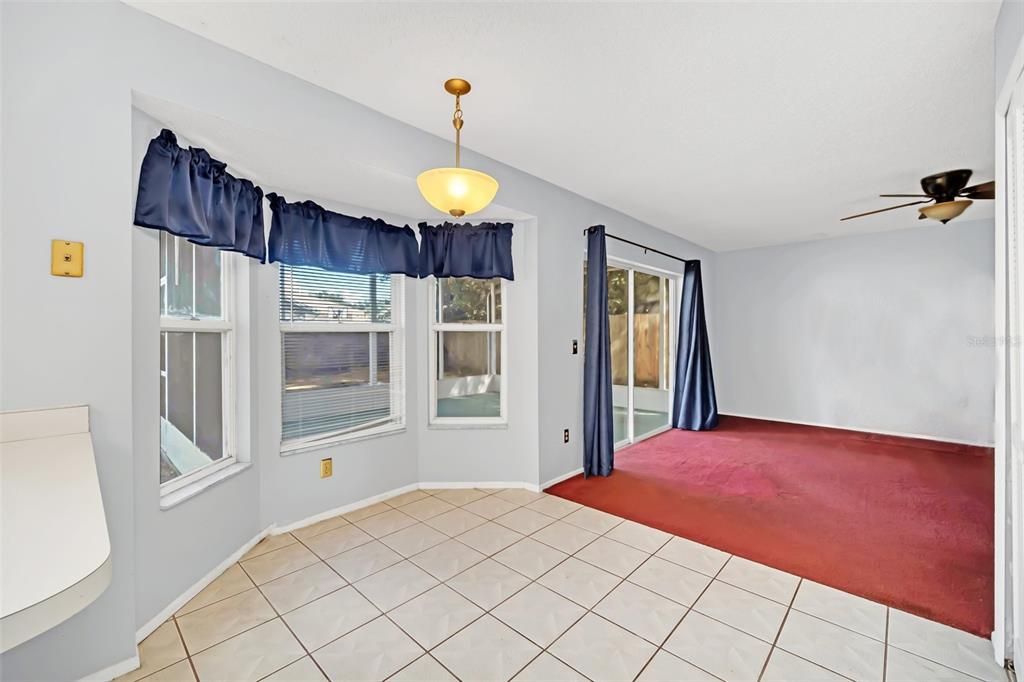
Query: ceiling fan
{"points": [[948, 191]]}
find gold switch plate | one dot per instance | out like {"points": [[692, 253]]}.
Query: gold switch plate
{"points": [[326, 468], [66, 258]]}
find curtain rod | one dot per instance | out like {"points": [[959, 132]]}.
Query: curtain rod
{"points": [[647, 248]]}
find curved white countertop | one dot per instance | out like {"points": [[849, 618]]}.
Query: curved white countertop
{"points": [[54, 546]]}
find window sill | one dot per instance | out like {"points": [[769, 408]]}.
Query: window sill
{"points": [[468, 425], [288, 449], [173, 499]]}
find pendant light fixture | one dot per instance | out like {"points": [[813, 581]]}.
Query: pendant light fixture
{"points": [[457, 191]]}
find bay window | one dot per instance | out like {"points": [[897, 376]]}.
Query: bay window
{"points": [[341, 347], [467, 349], [196, 347]]}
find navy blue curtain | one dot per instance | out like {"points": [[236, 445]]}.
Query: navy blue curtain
{"points": [[598, 431], [190, 194], [482, 251], [305, 233], [694, 406]]}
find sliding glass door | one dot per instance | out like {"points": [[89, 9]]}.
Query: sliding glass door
{"points": [[650, 353], [618, 326], [640, 316]]}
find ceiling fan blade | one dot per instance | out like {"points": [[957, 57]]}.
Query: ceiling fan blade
{"points": [[986, 190], [883, 210], [923, 196]]}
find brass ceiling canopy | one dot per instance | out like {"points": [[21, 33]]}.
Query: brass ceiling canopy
{"points": [[457, 87]]}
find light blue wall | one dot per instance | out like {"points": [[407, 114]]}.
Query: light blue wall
{"points": [[1009, 31], [175, 547], [68, 72], [888, 332]]}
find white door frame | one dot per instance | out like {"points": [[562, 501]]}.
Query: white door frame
{"points": [[1009, 320]]}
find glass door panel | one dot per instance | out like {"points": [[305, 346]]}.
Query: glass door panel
{"points": [[640, 321], [618, 327], [650, 353]]}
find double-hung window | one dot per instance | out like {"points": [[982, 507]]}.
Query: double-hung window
{"points": [[342, 347], [196, 350], [467, 348]]}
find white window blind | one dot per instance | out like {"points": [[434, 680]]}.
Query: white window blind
{"points": [[342, 348]]}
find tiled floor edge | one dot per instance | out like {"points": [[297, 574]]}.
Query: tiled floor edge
{"points": [[147, 629], [122, 668], [344, 509], [483, 485], [558, 479]]}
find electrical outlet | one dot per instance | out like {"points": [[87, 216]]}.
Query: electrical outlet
{"points": [[565, 436], [326, 468]]}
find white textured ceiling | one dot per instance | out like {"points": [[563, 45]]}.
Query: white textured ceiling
{"points": [[731, 124]]}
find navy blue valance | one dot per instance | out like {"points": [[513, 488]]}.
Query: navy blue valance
{"points": [[305, 233], [190, 194], [482, 251]]}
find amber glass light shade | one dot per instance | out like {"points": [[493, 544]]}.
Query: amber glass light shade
{"points": [[457, 191], [945, 211]]}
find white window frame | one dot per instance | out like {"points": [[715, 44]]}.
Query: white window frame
{"points": [[435, 360], [229, 270], [398, 401]]}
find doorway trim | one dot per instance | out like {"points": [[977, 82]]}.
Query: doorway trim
{"points": [[1009, 517]]}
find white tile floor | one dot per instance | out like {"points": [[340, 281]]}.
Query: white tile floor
{"points": [[500, 585]]}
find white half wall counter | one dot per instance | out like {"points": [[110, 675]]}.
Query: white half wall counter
{"points": [[54, 546]]}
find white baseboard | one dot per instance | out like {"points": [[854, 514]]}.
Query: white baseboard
{"points": [[114, 671], [172, 608], [438, 485], [858, 429], [344, 509], [559, 479]]}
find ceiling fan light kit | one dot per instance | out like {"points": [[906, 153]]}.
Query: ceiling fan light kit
{"points": [[457, 191], [947, 192], [945, 211]]}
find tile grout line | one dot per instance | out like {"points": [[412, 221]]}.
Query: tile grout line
{"points": [[845, 629], [184, 645], [622, 580], [162, 668], [280, 616], [385, 614], [380, 614], [778, 633], [689, 609], [489, 611], [257, 588], [484, 612], [885, 647], [545, 649]]}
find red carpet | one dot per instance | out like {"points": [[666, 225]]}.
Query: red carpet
{"points": [[900, 521]]}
